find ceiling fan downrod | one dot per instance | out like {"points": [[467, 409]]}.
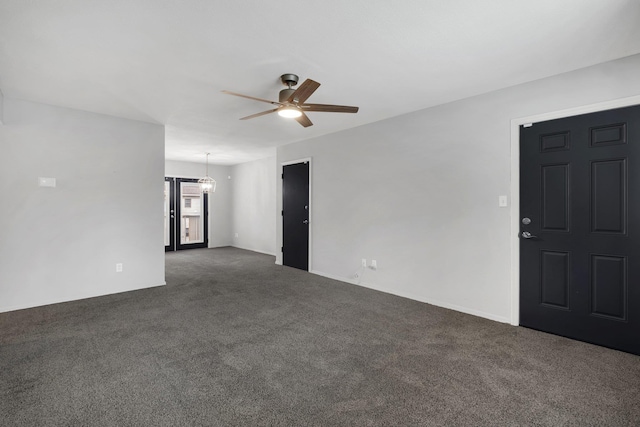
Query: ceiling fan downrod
{"points": [[288, 80]]}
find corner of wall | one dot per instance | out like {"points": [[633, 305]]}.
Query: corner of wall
{"points": [[278, 223], [1, 108], [253, 200]]}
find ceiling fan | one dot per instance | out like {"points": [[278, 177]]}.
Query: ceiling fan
{"points": [[292, 104]]}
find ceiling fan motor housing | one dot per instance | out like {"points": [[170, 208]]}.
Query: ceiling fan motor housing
{"points": [[285, 94]]}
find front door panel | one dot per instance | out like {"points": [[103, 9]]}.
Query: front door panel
{"points": [[580, 244]]}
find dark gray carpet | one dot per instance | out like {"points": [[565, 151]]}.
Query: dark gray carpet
{"points": [[235, 340]]}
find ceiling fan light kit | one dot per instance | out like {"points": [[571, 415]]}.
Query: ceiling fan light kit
{"points": [[291, 102], [289, 112]]}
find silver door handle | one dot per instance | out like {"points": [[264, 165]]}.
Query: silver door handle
{"points": [[306, 221], [527, 235]]}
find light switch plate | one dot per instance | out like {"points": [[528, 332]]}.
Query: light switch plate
{"points": [[502, 201]]}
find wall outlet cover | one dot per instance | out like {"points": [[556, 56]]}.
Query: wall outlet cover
{"points": [[46, 182]]}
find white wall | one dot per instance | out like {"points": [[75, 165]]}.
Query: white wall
{"points": [[219, 202], [254, 205], [419, 192], [61, 244]]}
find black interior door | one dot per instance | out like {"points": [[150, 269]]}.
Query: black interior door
{"points": [[295, 215], [580, 228]]}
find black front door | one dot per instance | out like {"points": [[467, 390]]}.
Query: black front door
{"points": [[186, 215], [169, 214], [580, 228], [295, 215]]}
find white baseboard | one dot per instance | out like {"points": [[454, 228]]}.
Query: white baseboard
{"points": [[75, 298], [334, 277], [415, 297], [254, 250]]}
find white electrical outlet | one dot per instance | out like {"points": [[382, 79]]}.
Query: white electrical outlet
{"points": [[46, 182], [119, 267], [357, 275], [374, 264], [364, 262]]}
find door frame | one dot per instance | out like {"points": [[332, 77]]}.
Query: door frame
{"points": [[310, 213], [515, 182]]}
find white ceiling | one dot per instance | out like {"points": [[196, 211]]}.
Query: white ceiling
{"points": [[166, 61]]}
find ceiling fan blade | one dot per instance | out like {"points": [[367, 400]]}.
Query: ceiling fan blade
{"points": [[329, 108], [259, 114], [304, 120], [251, 97], [305, 90]]}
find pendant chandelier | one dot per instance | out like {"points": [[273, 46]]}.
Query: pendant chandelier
{"points": [[207, 183]]}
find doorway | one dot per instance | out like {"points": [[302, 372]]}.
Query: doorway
{"points": [[185, 214], [295, 215], [579, 272]]}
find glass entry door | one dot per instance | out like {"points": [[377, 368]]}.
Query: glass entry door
{"points": [[187, 219], [169, 214]]}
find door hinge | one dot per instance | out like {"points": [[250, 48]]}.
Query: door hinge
{"points": [[282, 249], [282, 212], [282, 176]]}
